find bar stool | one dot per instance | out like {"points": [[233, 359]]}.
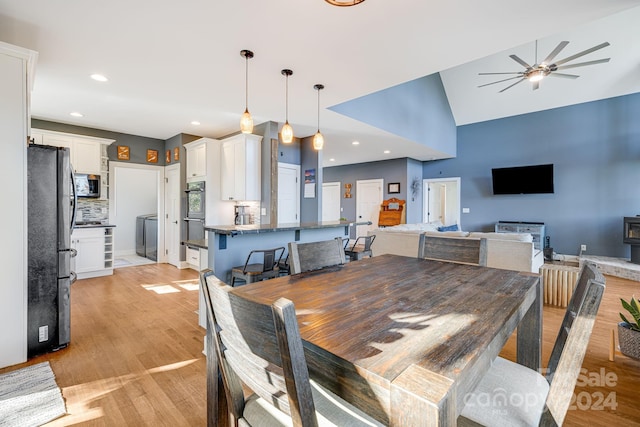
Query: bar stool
{"points": [[255, 272], [357, 253]]}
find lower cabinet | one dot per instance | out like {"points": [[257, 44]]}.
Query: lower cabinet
{"points": [[94, 252]]}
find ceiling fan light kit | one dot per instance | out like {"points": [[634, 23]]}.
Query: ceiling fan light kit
{"points": [[538, 71], [343, 3]]}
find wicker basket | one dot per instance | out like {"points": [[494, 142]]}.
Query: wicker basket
{"points": [[629, 341]]}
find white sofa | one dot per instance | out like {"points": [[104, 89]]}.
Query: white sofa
{"points": [[508, 251]]}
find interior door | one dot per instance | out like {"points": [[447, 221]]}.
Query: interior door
{"points": [[369, 197], [288, 193], [172, 214], [331, 201], [442, 200]]}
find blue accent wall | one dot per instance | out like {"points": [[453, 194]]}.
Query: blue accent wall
{"points": [[595, 149], [417, 110]]}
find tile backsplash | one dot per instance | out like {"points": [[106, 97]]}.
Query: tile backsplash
{"points": [[92, 210]]}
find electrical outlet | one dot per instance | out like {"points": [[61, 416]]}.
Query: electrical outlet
{"points": [[583, 248], [43, 333]]}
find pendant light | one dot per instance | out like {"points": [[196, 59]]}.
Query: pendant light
{"points": [[318, 139], [287, 131], [246, 122]]}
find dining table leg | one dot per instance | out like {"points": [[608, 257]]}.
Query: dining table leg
{"points": [[529, 338]]}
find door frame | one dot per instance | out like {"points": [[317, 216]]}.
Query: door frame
{"points": [[296, 168], [162, 255], [374, 224], [425, 196], [175, 166]]}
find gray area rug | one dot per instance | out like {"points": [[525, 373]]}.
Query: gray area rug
{"points": [[30, 397]]}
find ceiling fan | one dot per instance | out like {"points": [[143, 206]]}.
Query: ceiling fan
{"points": [[536, 72]]}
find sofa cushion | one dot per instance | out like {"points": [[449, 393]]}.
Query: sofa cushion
{"points": [[518, 237], [447, 233], [419, 227]]}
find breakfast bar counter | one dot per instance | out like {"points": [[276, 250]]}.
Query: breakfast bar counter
{"points": [[229, 245]]}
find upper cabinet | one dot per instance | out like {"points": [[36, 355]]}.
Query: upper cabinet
{"points": [[196, 160], [240, 167], [86, 151]]}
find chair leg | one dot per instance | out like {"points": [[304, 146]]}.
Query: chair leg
{"points": [[233, 281]]}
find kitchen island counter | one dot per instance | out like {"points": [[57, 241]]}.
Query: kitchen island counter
{"points": [[233, 230]]}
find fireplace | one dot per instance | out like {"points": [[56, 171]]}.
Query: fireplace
{"points": [[632, 236]]}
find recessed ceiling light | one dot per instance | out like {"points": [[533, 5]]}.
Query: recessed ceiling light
{"points": [[332, 160], [195, 123], [99, 78], [76, 114], [386, 151], [355, 143]]}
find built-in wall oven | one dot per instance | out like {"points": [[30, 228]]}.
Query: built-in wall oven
{"points": [[195, 214]]}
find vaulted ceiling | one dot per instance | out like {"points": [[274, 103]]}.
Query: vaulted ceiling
{"points": [[171, 63]]}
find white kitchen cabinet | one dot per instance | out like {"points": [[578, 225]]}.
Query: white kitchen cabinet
{"points": [[240, 168], [196, 160], [94, 247], [86, 151]]}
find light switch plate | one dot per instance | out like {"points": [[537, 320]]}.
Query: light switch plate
{"points": [[466, 210]]}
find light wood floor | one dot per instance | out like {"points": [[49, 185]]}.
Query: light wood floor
{"points": [[135, 357]]}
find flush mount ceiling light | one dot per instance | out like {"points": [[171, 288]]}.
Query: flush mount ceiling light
{"points": [[287, 131], [318, 139], [246, 122], [343, 3], [99, 78]]}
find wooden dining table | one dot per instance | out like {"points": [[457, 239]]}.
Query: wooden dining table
{"points": [[406, 339]]}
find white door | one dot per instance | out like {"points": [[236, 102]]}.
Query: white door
{"points": [[368, 200], [442, 200], [330, 201], [172, 214], [288, 193]]}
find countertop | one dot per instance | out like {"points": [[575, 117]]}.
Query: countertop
{"points": [[92, 225], [196, 243], [233, 230]]}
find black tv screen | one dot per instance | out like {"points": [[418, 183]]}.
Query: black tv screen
{"points": [[536, 179]]}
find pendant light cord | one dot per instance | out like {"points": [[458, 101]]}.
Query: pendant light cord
{"points": [[318, 109], [286, 108], [246, 83]]}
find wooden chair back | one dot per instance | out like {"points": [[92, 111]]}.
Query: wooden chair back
{"points": [[571, 345], [259, 345], [391, 212], [315, 255], [356, 252], [461, 250]]}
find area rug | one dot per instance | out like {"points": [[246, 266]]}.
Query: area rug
{"points": [[30, 397]]}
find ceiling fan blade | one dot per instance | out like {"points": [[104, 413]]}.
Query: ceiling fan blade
{"points": [[491, 74], [499, 81], [582, 64], [555, 52], [520, 61], [584, 52], [510, 86], [564, 76]]}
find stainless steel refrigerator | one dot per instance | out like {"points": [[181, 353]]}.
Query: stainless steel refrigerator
{"points": [[51, 215]]}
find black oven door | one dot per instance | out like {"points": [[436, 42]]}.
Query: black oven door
{"points": [[195, 200]]}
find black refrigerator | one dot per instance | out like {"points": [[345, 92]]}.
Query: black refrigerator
{"points": [[51, 214]]}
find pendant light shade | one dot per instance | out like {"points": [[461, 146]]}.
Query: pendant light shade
{"points": [[318, 139], [246, 122], [344, 2], [287, 131]]}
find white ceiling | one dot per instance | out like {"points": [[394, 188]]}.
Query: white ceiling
{"points": [[170, 63]]}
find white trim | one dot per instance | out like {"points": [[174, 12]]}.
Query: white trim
{"points": [[162, 257], [96, 139], [425, 196]]}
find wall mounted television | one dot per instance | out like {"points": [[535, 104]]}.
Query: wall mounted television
{"points": [[535, 179]]}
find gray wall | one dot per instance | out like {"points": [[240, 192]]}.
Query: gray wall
{"points": [[310, 209], [595, 149]]}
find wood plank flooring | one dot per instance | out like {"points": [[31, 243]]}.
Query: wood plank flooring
{"points": [[136, 359]]}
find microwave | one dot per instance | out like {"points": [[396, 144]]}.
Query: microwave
{"points": [[87, 185]]}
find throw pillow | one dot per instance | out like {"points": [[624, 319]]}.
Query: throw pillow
{"points": [[453, 227]]}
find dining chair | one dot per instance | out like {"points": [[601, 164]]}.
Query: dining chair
{"points": [[267, 269], [454, 249], [356, 252], [259, 346], [514, 395], [315, 255]]}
